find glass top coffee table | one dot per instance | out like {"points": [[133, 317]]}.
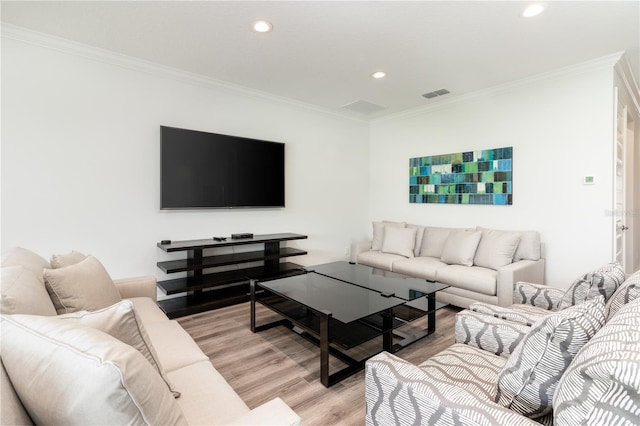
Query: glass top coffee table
{"points": [[340, 306]]}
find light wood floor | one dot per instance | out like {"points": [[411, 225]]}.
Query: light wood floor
{"points": [[280, 363]]}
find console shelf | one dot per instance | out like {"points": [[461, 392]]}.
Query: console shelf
{"points": [[213, 290]]}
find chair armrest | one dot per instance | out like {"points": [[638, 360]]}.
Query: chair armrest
{"points": [[489, 333], [542, 296], [521, 314], [399, 393], [357, 248], [274, 412], [137, 287], [509, 275]]}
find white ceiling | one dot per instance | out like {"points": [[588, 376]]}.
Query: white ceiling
{"points": [[323, 52]]}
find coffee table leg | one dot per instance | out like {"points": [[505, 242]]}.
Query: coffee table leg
{"points": [[324, 348], [431, 305], [252, 286], [387, 325]]}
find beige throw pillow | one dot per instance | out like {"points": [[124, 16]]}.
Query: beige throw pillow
{"points": [[399, 241], [496, 249], [66, 373], [378, 232], [18, 256], [433, 241], [460, 248], [122, 322], [61, 260], [83, 286], [21, 292]]}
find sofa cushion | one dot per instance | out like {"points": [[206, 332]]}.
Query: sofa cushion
{"points": [[605, 376], [433, 241], [80, 375], [12, 412], [474, 278], [496, 249], [421, 267], [628, 291], [122, 322], [61, 260], [602, 281], [379, 260], [378, 232], [83, 286], [19, 256], [399, 241], [419, 236], [472, 369], [531, 374], [460, 247], [22, 292]]}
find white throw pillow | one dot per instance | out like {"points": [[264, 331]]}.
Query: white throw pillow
{"points": [[66, 373], [460, 248], [23, 293], [84, 286], [61, 260], [419, 236], [496, 249], [433, 241], [399, 241], [378, 232], [122, 322]]}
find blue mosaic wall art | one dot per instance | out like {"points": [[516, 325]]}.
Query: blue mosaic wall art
{"points": [[473, 177]]}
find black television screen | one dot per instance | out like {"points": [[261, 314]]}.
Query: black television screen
{"points": [[209, 170]]}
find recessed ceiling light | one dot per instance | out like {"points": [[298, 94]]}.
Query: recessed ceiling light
{"points": [[379, 74], [262, 26], [533, 10]]}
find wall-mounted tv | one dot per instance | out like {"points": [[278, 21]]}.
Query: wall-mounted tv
{"points": [[209, 170]]}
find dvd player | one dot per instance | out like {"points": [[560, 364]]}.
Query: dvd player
{"points": [[241, 236]]}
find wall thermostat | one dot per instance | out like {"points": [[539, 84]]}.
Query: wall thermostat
{"points": [[589, 180]]}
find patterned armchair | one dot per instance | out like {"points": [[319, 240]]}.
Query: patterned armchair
{"points": [[577, 365]]}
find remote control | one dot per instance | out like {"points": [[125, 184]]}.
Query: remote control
{"points": [[219, 239]]}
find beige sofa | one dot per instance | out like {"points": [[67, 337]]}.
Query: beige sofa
{"points": [[479, 264], [75, 368]]}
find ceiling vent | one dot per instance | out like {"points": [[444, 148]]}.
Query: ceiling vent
{"points": [[363, 107], [436, 93]]}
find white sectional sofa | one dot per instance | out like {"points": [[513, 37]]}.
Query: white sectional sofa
{"points": [[84, 349], [479, 265]]}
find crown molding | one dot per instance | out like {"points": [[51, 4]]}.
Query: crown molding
{"points": [[623, 70], [599, 63], [21, 34]]}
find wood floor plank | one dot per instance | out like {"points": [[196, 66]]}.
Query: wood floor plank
{"points": [[280, 363]]}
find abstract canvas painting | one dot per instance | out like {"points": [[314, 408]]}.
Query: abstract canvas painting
{"points": [[472, 177]]}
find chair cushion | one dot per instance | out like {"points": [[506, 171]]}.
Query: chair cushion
{"points": [[122, 322], [421, 267], [84, 286], [531, 374], [600, 282], [378, 232], [80, 375], [18, 256], [628, 291], [496, 249], [460, 247], [61, 260], [399, 241], [605, 376], [467, 367], [474, 278], [22, 292]]}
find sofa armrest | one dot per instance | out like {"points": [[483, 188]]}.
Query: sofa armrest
{"points": [[539, 295], [274, 412], [399, 393], [357, 248], [137, 287], [489, 333], [509, 275]]}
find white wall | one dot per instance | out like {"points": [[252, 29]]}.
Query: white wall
{"points": [[80, 161], [560, 127]]}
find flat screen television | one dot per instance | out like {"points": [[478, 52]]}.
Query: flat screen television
{"points": [[209, 170]]}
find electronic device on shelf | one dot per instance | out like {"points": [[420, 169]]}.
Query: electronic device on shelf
{"points": [[165, 242], [219, 239], [241, 236]]}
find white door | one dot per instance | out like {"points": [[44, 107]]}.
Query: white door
{"points": [[619, 194]]}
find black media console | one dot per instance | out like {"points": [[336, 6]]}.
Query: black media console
{"points": [[206, 291]]}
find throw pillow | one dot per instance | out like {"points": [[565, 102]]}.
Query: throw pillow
{"points": [[378, 232], [419, 236], [460, 248], [66, 373], [122, 322], [600, 282], [530, 376], [529, 247], [399, 241], [19, 256], [61, 260], [496, 249], [23, 293], [433, 241], [628, 291], [83, 286], [601, 384]]}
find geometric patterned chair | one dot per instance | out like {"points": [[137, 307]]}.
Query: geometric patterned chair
{"points": [[568, 367]]}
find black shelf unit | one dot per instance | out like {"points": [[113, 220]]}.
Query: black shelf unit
{"points": [[206, 291]]}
